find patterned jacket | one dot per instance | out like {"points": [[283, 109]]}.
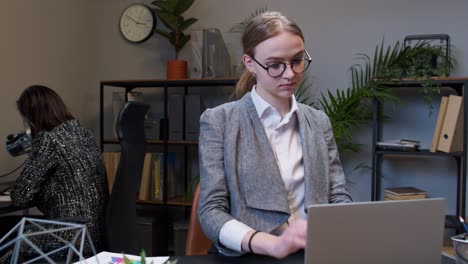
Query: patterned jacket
{"points": [[65, 177]]}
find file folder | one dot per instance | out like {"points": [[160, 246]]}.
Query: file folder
{"points": [[451, 136], [439, 123]]}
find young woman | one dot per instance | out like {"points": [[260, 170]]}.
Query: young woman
{"points": [[64, 176], [265, 157]]}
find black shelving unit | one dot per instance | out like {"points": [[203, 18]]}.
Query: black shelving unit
{"points": [[164, 215], [458, 85], [129, 85]]}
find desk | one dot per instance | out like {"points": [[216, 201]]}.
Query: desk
{"points": [[297, 258]]}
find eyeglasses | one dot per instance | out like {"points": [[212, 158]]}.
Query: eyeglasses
{"points": [[277, 69]]}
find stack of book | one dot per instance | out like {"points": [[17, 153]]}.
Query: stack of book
{"points": [[403, 193], [448, 133], [399, 145]]}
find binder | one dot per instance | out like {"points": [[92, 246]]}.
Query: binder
{"points": [[175, 106], [440, 121], [111, 161], [192, 116], [145, 183], [451, 136], [157, 177]]}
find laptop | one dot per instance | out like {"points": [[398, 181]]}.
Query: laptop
{"points": [[384, 232]]}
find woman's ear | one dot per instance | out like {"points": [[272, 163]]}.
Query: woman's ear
{"points": [[248, 62]]}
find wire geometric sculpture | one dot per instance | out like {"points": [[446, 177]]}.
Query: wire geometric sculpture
{"points": [[30, 227]]}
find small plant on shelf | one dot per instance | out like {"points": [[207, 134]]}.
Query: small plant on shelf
{"points": [[170, 13], [425, 63], [352, 108]]}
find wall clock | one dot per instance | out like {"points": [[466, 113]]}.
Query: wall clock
{"points": [[137, 23]]}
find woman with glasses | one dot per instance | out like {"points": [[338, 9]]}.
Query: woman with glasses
{"points": [[265, 157]]}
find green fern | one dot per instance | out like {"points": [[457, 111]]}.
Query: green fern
{"points": [[352, 108], [239, 27]]}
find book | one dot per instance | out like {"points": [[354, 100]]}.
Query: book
{"points": [[145, 187], [439, 122], [399, 145], [403, 193], [389, 197], [451, 136], [157, 170], [111, 161]]}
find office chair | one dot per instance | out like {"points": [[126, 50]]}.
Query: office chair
{"points": [[197, 243], [121, 208]]}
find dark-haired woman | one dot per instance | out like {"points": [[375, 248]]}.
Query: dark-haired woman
{"points": [[64, 176]]}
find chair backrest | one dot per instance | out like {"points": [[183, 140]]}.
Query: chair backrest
{"points": [[197, 243], [121, 208]]}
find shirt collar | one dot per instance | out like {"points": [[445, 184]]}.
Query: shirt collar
{"points": [[261, 105]]}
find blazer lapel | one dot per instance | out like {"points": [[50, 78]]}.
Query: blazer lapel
{"points": [[314, 158], [259, 174]]}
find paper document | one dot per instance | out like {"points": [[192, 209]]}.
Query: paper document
{"points": [[5, 198], [118, 258]]}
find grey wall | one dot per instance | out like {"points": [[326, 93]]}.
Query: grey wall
{"points": [[71, 45], [335, 30], [49, 42]]}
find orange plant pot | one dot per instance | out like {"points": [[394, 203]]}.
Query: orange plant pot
{"points": [[176, 69]]}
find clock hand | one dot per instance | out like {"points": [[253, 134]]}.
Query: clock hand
{"points": [[131, 18], [136, 22]]}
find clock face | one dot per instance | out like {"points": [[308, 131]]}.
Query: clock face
{"points": [[137, 23]]}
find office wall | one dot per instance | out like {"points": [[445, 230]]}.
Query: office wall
{"points": [[71, 45], [335, 31], [50, 42]]}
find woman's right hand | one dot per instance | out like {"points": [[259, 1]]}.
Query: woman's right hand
{"points": [[292, 240]]}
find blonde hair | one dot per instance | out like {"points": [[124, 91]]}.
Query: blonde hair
{"points": [[261, 28]]}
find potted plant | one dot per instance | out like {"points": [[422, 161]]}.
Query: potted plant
{"points": [[351, 108], [170, 13]]}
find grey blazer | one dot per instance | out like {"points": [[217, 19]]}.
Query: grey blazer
{"points": [[239, 176]]}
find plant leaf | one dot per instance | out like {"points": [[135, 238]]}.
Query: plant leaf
{"points": [[164, 5], [169, 20], [187, 23], [181, 6]]}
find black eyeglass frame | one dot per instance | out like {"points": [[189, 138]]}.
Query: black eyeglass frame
{"points": [[266, 68]]}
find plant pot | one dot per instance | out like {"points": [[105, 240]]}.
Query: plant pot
{"points": [[176, 69]]}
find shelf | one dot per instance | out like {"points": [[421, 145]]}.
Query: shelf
{"points": [[458, 84], [177, 170], [157, 142], [448, 251], [171, 83], [180, 200], [421, 152]]}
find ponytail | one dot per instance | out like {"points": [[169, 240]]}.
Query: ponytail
{"points": [[245, 84]]}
